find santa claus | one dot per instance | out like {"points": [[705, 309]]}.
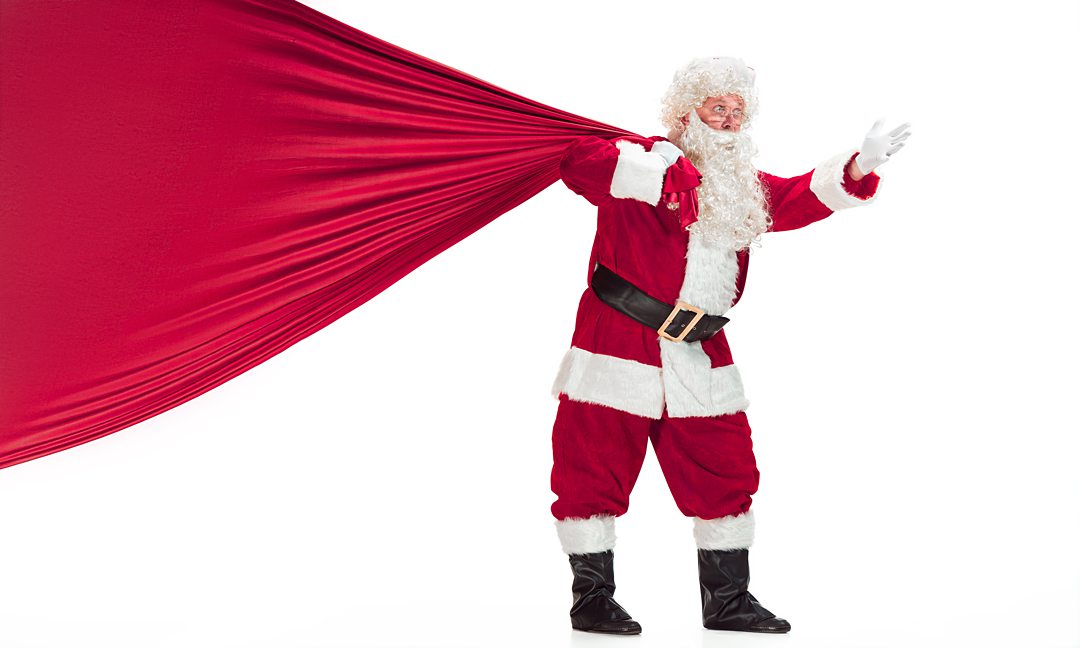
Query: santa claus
{"points": [[649, 360]]}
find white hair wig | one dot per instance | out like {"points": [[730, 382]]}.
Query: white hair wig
{"points": [[703, 78]]}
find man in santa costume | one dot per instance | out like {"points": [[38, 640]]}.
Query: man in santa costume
{"points": [[649, 360]]}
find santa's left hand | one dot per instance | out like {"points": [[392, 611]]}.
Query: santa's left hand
{"points": [[879, 145]]}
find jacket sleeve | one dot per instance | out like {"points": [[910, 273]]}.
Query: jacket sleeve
{"points": [[797, 202], [601, 170]]}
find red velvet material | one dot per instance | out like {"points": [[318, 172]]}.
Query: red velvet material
{"points": [[646, 244], [708, 462], [188, 188], [791, 202]]}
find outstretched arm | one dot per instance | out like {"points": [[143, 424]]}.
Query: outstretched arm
{"points": [[844, 181]]}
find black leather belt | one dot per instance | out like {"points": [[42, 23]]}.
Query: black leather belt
{"points": [[679, 323]]}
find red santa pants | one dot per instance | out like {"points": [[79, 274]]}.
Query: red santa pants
{"points": [[708, 461]]}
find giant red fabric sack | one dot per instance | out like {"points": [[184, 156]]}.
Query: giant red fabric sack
{"points": [[187, 189]]}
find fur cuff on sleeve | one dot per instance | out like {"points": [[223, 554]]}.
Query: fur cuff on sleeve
{"points": [[638, 174], [827, 183]]}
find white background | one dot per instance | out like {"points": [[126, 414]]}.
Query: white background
{"points": [[911, 367]]}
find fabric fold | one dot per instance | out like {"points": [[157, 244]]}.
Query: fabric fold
{"points": [[187, 190]]}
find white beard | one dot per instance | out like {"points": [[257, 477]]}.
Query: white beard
{"points": [[732, 211]]}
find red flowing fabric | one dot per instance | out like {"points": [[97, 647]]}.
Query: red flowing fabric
{"points": [[188, 188]]}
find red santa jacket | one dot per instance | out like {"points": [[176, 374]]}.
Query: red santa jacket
{"points": [[644, 208]]}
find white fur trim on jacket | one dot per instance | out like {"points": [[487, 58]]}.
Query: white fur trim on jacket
{"points": [[726, 533], [688, 384], [638, 174], [586, 535], [607, 380], [712, 271], [827, 184], [692, 387]]}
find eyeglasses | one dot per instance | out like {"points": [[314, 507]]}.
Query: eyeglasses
{"points": [[723, 111]]}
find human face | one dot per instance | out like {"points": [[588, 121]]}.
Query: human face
{"points": [[721, 113]]}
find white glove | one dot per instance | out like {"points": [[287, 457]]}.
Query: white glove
{"points": [[667, 150], [879, 145]]}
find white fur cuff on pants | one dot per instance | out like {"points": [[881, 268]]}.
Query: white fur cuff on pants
{"points": [[586, 535], [726, 533]]}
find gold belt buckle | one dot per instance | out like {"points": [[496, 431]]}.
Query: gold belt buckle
{"points": [[679, 307]]}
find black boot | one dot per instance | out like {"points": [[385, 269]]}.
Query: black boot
{"points": [[594, 584], [725, 603]]}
